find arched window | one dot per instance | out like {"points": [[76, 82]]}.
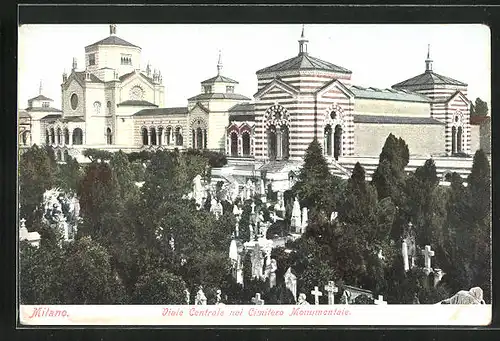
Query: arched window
{"points": [[272, 143], [199, 138], [193, 139], [245, 140], [328, 140], [52, 136], [66, 156], [145, 140], [234, 144], [97, 107], [47, 136], [337, 142], [459, 140], [66, 136], [59, 136], [153, 136], [160, 136], [24, 138], [285, 142], [168, 132], [205, 139], [77, 136], [453, 140], [178, 136], [59, 155], [109, 136]]}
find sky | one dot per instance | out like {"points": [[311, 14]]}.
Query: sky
{"points": [[378, 55]]}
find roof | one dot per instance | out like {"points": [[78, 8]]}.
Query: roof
{"points": [[80, 75], [429, 78], [127, 75], [219, 79], [40, 98], [218, 96], [23, 114], [73, 119], [112, 40], [304, 62], [162, 111], [136, 103], [388, 94], [395, 120], [41, 109], [478, 120], [242, 107], [51, 116], [274, 166]]}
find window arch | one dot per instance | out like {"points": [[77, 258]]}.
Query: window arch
{"points": [[109, 136], [145, 137], [459, 139], [234, 144], [77, 136], [337, 141], [66, 136], [333, 132], [277, 123], [59, 155], [178, 136], [153, 136], [168, 133], [24, 137], [47, 136], [66, 156], [52, 136], [328, 140], [59, 135], [160, 135], [245, 141], [97, 108]]}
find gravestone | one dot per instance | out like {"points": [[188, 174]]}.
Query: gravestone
{"points": [[380, 300], [257, 300], [404, 251], [331, 289], [428, 253], [33, 238], [316, 293]]}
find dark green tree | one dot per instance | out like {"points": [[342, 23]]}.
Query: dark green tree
{"points": [[480, 108], [160, 287]]}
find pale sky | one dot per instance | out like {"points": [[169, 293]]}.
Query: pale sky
{"points": [[378, 55]]}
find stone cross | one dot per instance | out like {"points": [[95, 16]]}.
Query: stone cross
{"points": [[316, 293], [253, 207], [257, 299], [331, 289], [427, 255], [23, 223], [380, 300]]}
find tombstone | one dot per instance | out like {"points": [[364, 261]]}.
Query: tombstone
{"points": [[291, 282], [188, 295], [33, 238], [257, 262], [233, 251], [316, 293], [404, 251], [380, 300], [198, 191], [304, 219], [200, 299], [428, 253], [331, 289], [253, 207], [272, 273], [218, 298], [257, 300], [295, 222], [302, 300], [333, 216]]}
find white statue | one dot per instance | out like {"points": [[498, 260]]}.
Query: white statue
{"points": [[272, 273], [302, 299], [473, 296], [198, 191], [333, 216], [305, 219], [295, 220], [200, 299]]}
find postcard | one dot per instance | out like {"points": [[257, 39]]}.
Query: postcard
{"points": [[261, 175]]}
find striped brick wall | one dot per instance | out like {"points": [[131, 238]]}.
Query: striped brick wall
{"points": [[307, 113]]}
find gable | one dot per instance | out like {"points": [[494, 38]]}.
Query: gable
{"points": [[277, 88], [333, 89], [458, 98]]}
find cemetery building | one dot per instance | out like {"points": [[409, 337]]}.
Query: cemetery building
{"points": [[112, 103]]}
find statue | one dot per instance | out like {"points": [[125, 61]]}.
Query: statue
{"points": [[302, 299], [333, 216], [473, 296], [198, 191], [218, 299], [296, 217], [186, 291], [272, 273], [200, 299]]}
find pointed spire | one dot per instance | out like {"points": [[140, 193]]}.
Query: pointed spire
{"points": [[148, 69], [428, 61], [74, 64], [40, 88], [303, 42], [112, 29], [219, 63]]}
